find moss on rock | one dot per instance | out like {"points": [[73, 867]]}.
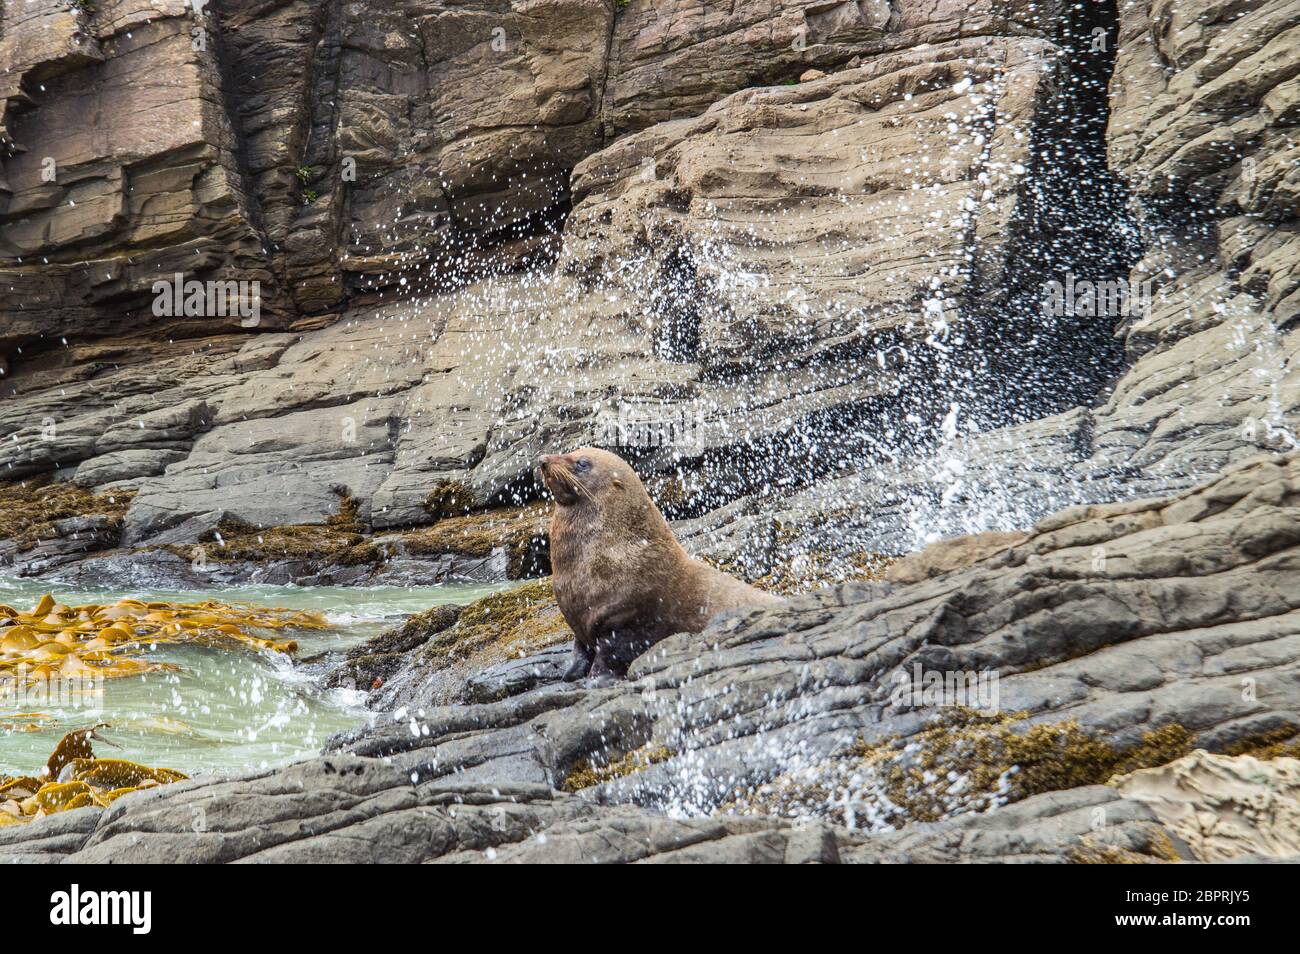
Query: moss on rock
{"points": [[508, 624], [338, 541], [449, 498], [965, 761], [1157, 848], [414, 632], [29, 508], [1282, 742], [520, 531], [588, 773], [460, 640], [1002, 759]]}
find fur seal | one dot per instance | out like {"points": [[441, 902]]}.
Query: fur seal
{"points": [[622, 580]]}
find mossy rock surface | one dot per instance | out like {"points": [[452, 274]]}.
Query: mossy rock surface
{"points": [[1158, 848], [965, 761], [511, 623], [339, 541], [449, 498], [29, 508], [588, 773], [522, 532], [1282, 742], [414, 632], [342, 540], [457, 642]]}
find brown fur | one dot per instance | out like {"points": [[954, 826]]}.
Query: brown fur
{"points": [[622, 580]]}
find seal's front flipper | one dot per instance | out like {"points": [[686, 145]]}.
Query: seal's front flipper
{"points": [[616, 651], [604, 671], [580, 662]]}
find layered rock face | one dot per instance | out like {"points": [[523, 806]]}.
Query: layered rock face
{"points": [[772, 272], [794, 282], [121, 166], [1107, 642], [1202, 132], [323, 148]]}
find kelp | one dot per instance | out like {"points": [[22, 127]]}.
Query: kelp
{"points": [[101, 641], [74, 778], [27, 722]]}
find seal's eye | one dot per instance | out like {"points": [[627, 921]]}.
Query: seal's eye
{"points": [[584, 464]]}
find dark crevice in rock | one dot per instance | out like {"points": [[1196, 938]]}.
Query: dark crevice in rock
{"points": [[547, 222], [676, 308], [465, 251], [992, 356], [248, 71], [1005, 361], [314, 235], [1074, 227], [599, 104]]}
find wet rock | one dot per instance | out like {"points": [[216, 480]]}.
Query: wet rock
{"points": [[1058, 827], [416, 631], [792, 212], [486, 650], [419, 132], [167, 569], [954, 554], [514, 676], [1195, 599], [370, 664], [267, 433], [458, 392], [1052, 617]]}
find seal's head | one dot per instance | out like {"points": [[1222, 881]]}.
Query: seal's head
{"points": [[585, 475]]}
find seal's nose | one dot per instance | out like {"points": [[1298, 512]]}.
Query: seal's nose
{"points": [[548, 459]]}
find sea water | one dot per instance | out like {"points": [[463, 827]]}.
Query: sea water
{"points": [[224, 709]]}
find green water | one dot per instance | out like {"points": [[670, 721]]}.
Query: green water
{"points": [[223, 710]]}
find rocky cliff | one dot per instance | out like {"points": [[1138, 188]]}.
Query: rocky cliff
{"points": [[481, 230], [821, 240]]}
